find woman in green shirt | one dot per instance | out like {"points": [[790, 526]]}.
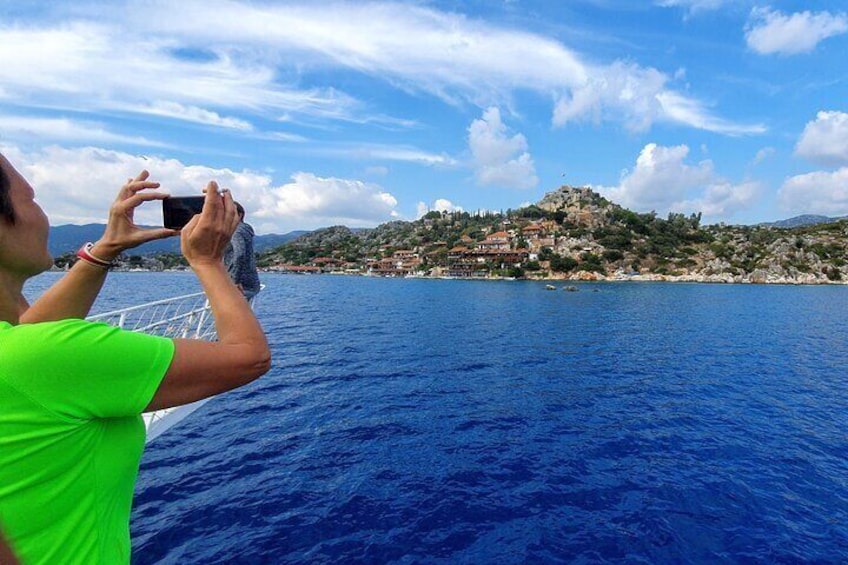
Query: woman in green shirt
{"points": [[71, 391]]}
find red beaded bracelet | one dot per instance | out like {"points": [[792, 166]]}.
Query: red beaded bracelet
{"points": [[85, 254]]}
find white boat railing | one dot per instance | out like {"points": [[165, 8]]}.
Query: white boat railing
{"points": [[188, 317]]}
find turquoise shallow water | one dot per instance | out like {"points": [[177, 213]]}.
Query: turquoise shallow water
{"points": [[427, 421]]}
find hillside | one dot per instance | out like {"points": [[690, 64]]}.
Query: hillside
{"points": [[574, 234]]}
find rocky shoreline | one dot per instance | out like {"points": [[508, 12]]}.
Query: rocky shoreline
{"points": [[720, 278]]}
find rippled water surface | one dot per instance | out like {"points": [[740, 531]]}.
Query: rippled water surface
{"points": [[426, 421]]}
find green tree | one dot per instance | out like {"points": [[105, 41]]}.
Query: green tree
{"points": [[561, 264], [612, 255], [591, 262]]}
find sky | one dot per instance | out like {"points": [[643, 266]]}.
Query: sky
{"points": [[322, 113]]}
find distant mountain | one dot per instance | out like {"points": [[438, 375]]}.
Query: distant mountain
{"points": [[68, 238], [272, 240], [803, 220]]}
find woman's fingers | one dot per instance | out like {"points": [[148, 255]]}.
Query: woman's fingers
{"points": [[218, 205], [134, 185], [206, 236], [232, 213], [143, 236], [142, 185], [159, 233], [137, 199]]}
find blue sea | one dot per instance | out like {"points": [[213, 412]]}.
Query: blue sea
{"points": [[452, 422]]}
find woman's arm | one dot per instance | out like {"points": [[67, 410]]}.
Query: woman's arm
{"points": [[73, 295], [201, 369]]}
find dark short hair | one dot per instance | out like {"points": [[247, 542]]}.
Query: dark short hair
{"points": [[240, 210], [6, 210]]}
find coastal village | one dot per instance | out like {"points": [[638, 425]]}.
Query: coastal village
{"points": [[573, 234]]}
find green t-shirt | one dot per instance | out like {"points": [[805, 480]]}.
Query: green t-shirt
{"points": [[71, 436]]}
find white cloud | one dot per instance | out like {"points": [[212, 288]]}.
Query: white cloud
{"points": [[78, 185], [662, 181], [623, 89], [721, 200], [769, 31], [660, 178], [318, 201], [438, 205], [825, 140], [818, 192], [498, 159]]}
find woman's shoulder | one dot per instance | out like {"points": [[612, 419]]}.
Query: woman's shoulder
{"points": [[43, 341], [33, 334], [74, 339]]}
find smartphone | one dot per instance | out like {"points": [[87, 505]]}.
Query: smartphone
{"points": [[178, 210]]}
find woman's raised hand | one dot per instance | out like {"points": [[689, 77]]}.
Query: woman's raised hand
{"points": [[121, 231], [206, 236]]}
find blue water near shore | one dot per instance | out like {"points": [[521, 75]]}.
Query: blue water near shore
{"points": [[450, 422]]}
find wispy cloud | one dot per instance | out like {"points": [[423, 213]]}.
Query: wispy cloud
{"points": [[688, 111], [245, 58], [69, 131], [193, 114], [693, 7], [110, 66], [638, 97], [621, 91], [401, 153], [763, 154], [772, 32]]}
